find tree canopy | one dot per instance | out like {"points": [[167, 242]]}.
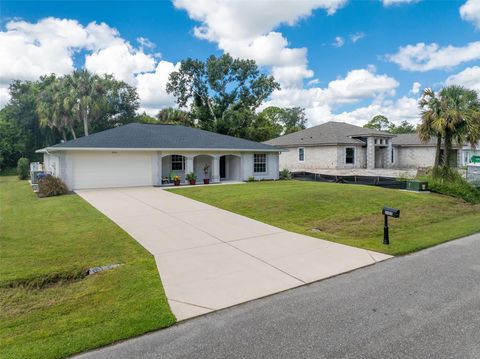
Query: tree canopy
{"points": [[41, 113], [452, 115], [222, 93], [382, 123]]}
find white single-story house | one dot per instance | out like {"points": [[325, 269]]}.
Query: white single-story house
{"points": [[339, 145], [144, 155]]}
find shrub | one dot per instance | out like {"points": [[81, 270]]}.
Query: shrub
{"points": [[51, 186], [285, 174], [23, 168], [191, 176], [251, 179], [451, 183]]}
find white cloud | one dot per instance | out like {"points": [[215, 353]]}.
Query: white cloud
{"points": [[245, 30], [30, 50], [423, 57], [470, 11], [361, 84], [121, 60], [357, 85], [151, 87], [339, 41], [405, 108], [145, 43], [4, 95], [357, 36], [398, 2], [415, 88], [470, 78], [245, 20]]}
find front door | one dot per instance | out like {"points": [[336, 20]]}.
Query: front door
{"points": [[223, 170]]}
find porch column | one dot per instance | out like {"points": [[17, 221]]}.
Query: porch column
{"points": [[370, 153], [188, 166], [157, 168], [216, 169], [389, 154]]}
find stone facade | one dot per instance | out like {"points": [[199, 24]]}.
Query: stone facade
{"points": [[333, 157]]}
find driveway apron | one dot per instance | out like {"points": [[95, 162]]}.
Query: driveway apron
{"points": [[209, 258]]}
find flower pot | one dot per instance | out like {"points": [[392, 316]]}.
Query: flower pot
{"points": [[206, 180], [192, 182], [176, 183]]}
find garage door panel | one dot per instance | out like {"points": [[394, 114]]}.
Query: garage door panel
{"points": [[104, 170]]}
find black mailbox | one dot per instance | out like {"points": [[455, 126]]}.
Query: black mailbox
{"points": [[388, 212], [391, 212]]}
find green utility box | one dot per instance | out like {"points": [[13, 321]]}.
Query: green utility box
{"points": [[417, 186]]}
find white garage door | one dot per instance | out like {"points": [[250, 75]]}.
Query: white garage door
{"points": [[107, 169]]}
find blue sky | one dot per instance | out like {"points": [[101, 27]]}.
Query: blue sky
{"points": [[344, 61]]}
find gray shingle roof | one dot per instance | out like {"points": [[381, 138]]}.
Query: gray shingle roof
{"points": [[136, 135], [329, 133], [411, 139]]}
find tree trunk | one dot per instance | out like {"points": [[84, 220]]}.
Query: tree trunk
{"points": [[448, 149], [438, 148], [64, 135], [85, 123], [73, 133]]}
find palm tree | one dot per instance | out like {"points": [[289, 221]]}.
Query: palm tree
{"points": [[88, 90], [55, 107], [461, 114], [64, 104], [432, 123], [47, 108]]}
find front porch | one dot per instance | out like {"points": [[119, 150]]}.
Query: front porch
{"points": [[216, 168], [379, 152]]}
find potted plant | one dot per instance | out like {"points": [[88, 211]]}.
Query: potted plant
{"points": [[206, 167], [176, 180], [191, 178]]}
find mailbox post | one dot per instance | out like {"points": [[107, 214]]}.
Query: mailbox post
{"points": [[388, 212]]}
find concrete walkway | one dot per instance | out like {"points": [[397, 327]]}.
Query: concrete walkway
{"points": [[209, 258]]}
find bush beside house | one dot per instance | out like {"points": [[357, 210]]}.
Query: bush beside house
{"points": [[23, 168]]}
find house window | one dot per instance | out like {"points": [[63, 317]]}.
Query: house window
{"points": [[259, 163], [393, 160], [301, 154], [350, 155], [178, 163]]}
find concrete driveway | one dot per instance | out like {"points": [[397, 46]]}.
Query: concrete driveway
{"points": [[209, 258]]}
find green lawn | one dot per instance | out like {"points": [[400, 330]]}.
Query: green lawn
{"points": [[48, 308], [349, 214]]}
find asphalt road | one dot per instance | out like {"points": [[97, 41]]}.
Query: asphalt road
{"points": [[425, 305]]}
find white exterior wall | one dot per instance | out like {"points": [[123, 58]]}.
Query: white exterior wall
{"points": [[272, 172], [414, 157], [104, 169], [51, 163]]}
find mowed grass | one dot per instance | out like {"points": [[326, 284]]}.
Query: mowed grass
{"points": [[48, 308], [348, 214]]}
